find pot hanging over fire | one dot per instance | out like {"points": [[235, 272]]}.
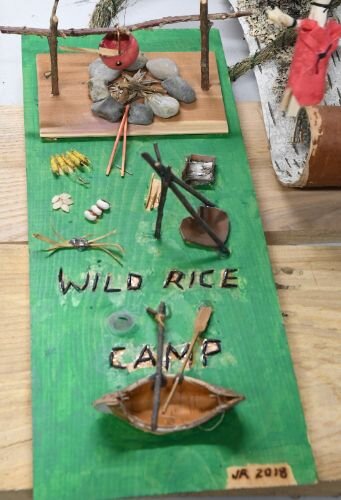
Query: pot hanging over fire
{"points": [[126, 47]]}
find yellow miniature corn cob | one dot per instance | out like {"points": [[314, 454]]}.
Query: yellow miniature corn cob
{"points": [[54, 166], [63, 165], [68, 162], [84, 159], [76, 161]]}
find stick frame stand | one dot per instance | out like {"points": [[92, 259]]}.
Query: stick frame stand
{"points": [[171, 181]]}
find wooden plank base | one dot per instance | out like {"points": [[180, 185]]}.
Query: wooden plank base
{"points": [[69, 114], [312, 324], [309, 286], [246, 318]]}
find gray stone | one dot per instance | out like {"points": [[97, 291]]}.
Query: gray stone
{"points": [[97, 69], [162, 68], [140, 62], [141, 114], [164, 105], [98, 90], [180, 89], [109, 109]]}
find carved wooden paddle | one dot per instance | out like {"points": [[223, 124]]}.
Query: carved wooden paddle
{"points": [[200, 325], [102, 51]]}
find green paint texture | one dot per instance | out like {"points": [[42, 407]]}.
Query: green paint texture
{"points": [[82, 454]]}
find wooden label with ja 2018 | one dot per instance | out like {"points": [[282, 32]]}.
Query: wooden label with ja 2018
{"points": [[259, 475]]}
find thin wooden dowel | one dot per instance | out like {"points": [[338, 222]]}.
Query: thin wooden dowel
{"points": [[192, 191], [124, 151], [114, 149], [113, 152], [157, 152], [165, 180]]}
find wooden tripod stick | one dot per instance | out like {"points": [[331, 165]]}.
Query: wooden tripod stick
{"points": [[165, 182], [200, 326], [159, 317]]}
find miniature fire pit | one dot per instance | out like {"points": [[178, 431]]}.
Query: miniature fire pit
{"points": [[151, 88]]}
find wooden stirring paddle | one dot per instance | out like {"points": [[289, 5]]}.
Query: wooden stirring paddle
{"points": [[102, 51], [200, 325]]}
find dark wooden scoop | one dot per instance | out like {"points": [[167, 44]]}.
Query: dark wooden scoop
{"points": [[192, 232]]}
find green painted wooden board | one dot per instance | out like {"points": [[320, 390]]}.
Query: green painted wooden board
{"points": [[81, 454]]}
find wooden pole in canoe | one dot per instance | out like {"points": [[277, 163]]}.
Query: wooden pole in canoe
{"points": [[159, 316]]}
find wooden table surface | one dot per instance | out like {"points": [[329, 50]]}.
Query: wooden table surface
{"points": [[303, 231]]}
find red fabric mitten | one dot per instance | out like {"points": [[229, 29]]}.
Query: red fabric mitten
{"points": [[313, 49]]}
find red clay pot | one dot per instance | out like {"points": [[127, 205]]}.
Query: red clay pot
{"points": [[127, 46]]}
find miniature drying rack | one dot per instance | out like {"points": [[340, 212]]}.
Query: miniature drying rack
{"points": [[53, 33], [169, 180]]}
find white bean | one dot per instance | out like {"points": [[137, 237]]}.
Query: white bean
{"points": [[103, 204], [96, 210], [90, 216]]}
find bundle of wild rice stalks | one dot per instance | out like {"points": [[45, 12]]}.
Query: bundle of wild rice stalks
{"points": [[114, 250], [105, 12]]}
